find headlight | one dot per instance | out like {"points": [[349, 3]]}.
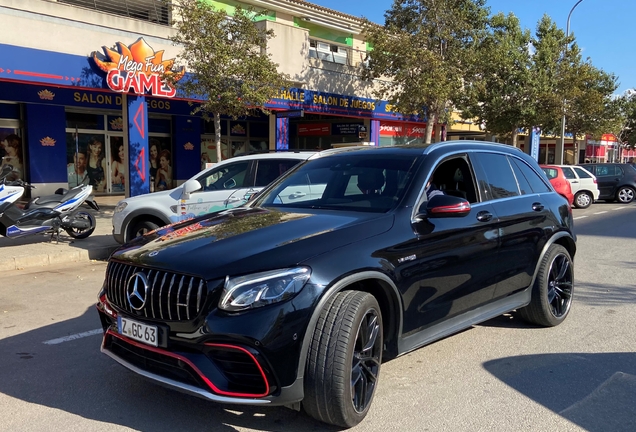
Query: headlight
{"points": [[260, 289], [121, 206]]}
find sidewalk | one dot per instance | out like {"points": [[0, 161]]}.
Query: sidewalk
{"points": [[36, 251]]}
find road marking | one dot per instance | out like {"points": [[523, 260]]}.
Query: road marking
{"points": [[619, 208], [579, 217], [601, 212], [73, 337]]}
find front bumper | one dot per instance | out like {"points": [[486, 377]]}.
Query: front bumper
{"points": [[218, 367]]}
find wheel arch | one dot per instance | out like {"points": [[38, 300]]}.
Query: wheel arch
{"points": [[145, 215], [562, 238], [386, 293]]}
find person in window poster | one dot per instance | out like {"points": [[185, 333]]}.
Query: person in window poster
{"points": [[154, 157], [118, 167], [76, 171], [163, 181], [12, 145], [96, 166]]}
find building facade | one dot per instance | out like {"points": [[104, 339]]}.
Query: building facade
{"points": [[80, 92]]}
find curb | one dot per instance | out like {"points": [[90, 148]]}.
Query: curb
{"points": [[40, 260]]}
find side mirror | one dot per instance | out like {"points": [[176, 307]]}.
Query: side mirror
{"points": [[441, 206], [188, 187]]}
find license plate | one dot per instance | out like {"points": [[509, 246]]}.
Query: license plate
{"points": [[138, 331]]}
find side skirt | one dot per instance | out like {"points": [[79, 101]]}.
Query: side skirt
{"points": [[464, 321]]}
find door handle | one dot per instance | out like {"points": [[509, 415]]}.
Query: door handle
{"points": [[297, 195], [574, 181], [484, 216], [537, 206]]}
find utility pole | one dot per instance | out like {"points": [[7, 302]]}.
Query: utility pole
{"points": [[559, 158]]}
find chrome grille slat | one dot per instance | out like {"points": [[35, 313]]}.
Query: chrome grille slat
{"points": [[171, 291], [179, 297], [169, 297], [188, 299], [163, 281], [152, 295]]}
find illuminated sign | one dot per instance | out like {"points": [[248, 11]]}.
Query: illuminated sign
{"points": [[137, 68]]}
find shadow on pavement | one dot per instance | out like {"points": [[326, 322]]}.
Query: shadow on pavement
{"points": [[594, 391], [76, 378]]}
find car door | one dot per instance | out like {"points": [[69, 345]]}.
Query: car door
{"points": [[515, 190], [587, 181], [450, 265], [264, 172], [570, 175], [607, 179], [217, 185]]}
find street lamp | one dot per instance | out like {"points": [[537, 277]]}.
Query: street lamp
{"points": [[562, 143]]}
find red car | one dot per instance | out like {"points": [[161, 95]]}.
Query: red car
{"points": [[559, 182]]}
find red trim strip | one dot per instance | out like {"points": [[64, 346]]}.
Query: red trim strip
{"points": [[459, 208], [185, 360], [36, 74]]}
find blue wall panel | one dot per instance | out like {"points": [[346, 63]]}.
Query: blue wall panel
{"points": [[46, 143]]}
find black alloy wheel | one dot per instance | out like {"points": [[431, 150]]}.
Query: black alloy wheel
{"points": [[367, 353], [142, 228], [343, 361], [553, 289]]}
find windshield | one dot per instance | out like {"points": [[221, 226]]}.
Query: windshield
{"points": [[370, 182]]}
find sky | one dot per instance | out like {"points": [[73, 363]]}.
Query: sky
{"points": [[603, 28]]}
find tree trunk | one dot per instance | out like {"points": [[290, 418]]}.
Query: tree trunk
{"points": [[515, 137], [429, 127], [217, 136]]}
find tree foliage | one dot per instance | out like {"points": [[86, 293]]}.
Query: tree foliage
{"points": [[421, 55], [621, 113], [226, 60]]}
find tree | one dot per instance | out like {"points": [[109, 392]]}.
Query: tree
{"points": [[622, 115], [423, 52], [225, 56], [499, 93]]}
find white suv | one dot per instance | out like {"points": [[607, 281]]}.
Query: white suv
{"points": [[227, 184], [583, 183]]}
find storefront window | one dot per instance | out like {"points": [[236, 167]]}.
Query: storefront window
{"points": [[161, 163], [11, 152], [84, 121], [86, 159]]}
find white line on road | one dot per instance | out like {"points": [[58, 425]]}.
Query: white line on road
{"points": [[601, 212], [619, 208], [579, 217], [73, 337]]}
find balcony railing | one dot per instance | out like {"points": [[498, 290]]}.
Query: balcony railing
{"points": [[155, 11]]}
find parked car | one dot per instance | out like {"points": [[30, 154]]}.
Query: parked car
{"points": [[225, 185], [559, 182], [583, 183], [297, 303], [616, 181]]}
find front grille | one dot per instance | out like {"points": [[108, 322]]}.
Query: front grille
{"points": [[170, 296]]}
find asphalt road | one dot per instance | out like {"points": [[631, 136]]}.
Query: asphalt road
{"points": [[500, 375]]}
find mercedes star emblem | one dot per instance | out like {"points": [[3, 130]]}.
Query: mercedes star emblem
{"points": [[137, 291]]}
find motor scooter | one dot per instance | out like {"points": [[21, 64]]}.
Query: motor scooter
{"points": [[9, 192], [49, 214]]}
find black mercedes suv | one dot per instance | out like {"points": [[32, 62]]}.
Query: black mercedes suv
{"points": [[297, 297]]}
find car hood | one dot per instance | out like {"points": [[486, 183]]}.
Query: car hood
{"points": [[247, 240]]}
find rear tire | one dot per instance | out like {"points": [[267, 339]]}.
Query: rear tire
{"points": [[142, 228], [343, 362], [78, 233], [552, 290], [583, 200], [625, 195]]}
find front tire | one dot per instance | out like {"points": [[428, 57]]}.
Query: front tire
{"points": [[142, 228], [583, 200], [79, 233], [552, 290], [625, 195], [343, 364]]}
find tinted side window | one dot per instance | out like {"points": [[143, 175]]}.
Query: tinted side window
{"points": [[604, 170], [524, 186], [269, 170], [582, 173], [229, 176], [499, 175], [618, 171], [536, 182], [568, 173], [550, 173]]}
